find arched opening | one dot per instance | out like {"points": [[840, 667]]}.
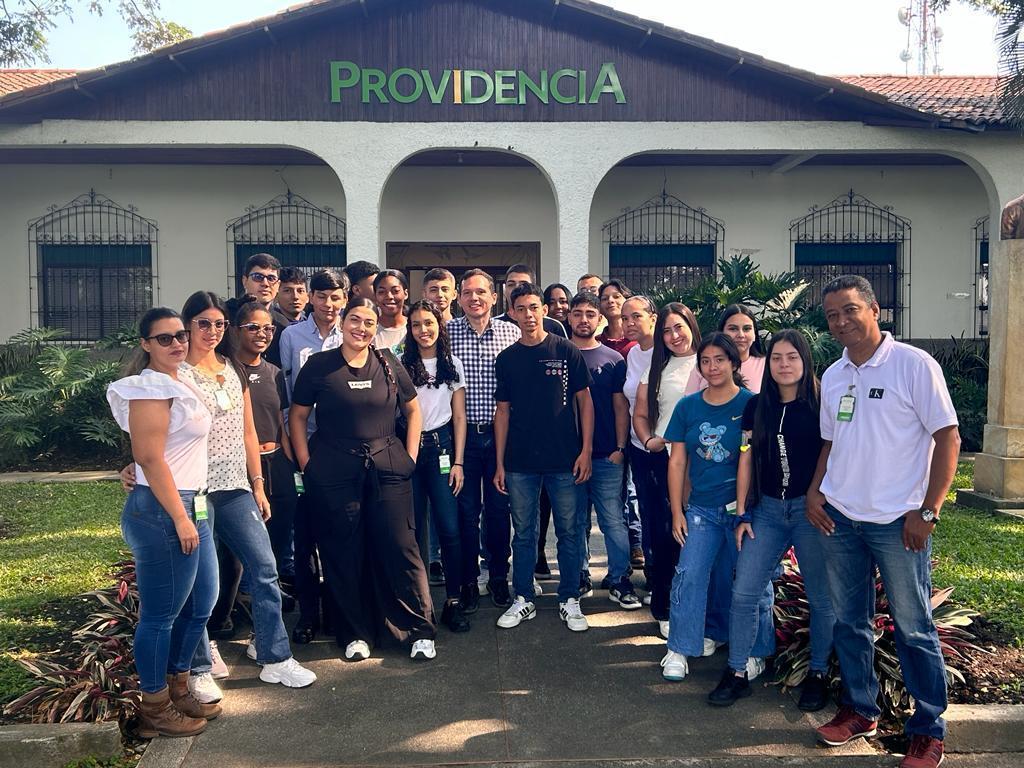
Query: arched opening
{"points": [[469, 208]]}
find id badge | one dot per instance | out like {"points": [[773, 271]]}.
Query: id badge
{"points": [[846, 405], [445, 462], [730, 508], [199, 503], [223, 399], [300, 485]]}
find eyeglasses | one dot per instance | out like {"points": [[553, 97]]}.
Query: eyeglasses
{"points": [[256, 328], [165, 339], [209, 325], [263, 277]]}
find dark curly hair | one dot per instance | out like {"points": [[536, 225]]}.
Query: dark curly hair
{"points": [[413, 362]]}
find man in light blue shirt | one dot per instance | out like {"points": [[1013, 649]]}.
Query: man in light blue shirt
{"points": [[318, 332]]}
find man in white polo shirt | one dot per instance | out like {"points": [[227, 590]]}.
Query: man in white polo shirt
{"points": [[890, 452]]}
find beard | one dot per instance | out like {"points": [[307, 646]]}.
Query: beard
{"points": [[578, 335]]}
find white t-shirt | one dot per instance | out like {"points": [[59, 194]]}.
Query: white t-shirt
{"points": [[878, 467], [436, 402], [391, 338], [675, 377], [186, 444], [638, 362]]}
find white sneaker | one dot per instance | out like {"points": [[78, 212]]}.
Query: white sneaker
{"points": [[663, 629], [521, 610], [710, 646], [357, 650], [673, 666], [481, 582], [205, 688], [218, 669], [250, 649], [647, 599], [423, 649], [538, 590], [288, 673], [755, 666], [571, 613]]}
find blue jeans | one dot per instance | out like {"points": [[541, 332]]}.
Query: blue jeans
{"points": [[237, 522], [709, 545], [176, 591], [851, 553], [429, 485], [630, 513], [479, 494], [524, 499], [604, 491], [778, 525]]}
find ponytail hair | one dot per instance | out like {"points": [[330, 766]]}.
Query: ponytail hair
{"points": [[139, 359]]}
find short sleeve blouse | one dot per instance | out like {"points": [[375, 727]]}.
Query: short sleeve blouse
{"points": [[227, 467], [436, 402]]}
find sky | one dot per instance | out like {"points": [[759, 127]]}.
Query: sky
{"points": [[829, 37]]}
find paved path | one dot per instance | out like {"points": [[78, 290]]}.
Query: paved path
{"points": [[58, 477]]}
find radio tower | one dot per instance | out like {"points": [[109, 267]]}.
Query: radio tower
{"points": [[923, 37]]}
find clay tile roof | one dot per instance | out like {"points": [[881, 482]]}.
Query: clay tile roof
{"points": [[18, 79], [973, 99]]}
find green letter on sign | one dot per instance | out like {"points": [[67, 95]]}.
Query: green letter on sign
{"points": [[559, 97], [468, 76], [417, 85], [338, 81], [374, 81], [607, 82]]}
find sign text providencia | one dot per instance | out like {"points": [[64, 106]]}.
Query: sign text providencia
{"points": [[473, 86]]}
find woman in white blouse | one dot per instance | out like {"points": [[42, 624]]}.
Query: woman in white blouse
{"points": [[165, 525]]}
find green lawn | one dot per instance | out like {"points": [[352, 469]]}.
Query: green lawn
{"points": [[56, 541]]}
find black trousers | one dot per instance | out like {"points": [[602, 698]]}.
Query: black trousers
{"points": [[362, 510]]}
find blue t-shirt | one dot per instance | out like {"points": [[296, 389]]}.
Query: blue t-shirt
{"points": [[712, 435], [608, 375]]}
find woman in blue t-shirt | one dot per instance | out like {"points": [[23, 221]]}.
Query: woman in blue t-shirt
{"points": [[705, 431]]}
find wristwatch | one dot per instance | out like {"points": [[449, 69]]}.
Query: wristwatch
{"points": [[620, 448], [930, 516]]}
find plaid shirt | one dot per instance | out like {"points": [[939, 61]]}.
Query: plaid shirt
{"points": [[478, 353]]}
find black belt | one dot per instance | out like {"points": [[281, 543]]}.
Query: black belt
{"points": [[434, 435], [481, 427]]}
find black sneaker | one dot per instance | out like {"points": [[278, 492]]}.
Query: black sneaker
{"points": [[606, 583], [542, 570], [586, 585], [305, 630], [453, 617], [625, 596], [499, 593], [436, 574], [469, 598], [731, 688], [815, 693]]}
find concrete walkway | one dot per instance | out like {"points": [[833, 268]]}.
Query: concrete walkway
{"points": [[88, 476]]}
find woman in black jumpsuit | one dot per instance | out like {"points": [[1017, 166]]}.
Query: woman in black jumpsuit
{"points": [[356, 472]]}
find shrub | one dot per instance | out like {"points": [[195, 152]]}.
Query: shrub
{"points": [[965, 365]]}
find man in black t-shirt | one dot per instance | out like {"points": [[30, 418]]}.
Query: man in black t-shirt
{"points": [[543, 429]]}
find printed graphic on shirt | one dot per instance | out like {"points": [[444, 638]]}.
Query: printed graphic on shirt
{"points": [[710, 440], [561, 369], [875, 393], [254, 378]]}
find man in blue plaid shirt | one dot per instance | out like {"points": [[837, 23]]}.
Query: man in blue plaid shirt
{"points": [[476, 340]]}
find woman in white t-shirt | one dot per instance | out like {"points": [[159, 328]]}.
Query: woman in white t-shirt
{"points": [[167, 530], [671, 375], [440, 382]]}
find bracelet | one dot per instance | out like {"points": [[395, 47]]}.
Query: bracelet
{"points": [[257, 477], [647, 441], [458, 464]]}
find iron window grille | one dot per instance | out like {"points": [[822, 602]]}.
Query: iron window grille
{"points": [[663, 245], [852, 235], [981, 274], [291, 229], [92, 268]]}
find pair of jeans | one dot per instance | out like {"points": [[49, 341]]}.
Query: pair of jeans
{"points": [[851, 554], [176, 591], [238, 523], [650, 475], [630, 513], [778, 525], [604, 491], [430, 486], [710, 545], [478, 492], [524, 500]]}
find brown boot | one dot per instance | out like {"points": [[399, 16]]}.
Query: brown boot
{"points": [[187, 703], [159, 717]]}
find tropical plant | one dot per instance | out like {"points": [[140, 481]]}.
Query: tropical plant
{"points": [[965, 365], [53, 401], [792, 632], [99, 682]]}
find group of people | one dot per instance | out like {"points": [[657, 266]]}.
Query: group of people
{"points": [[330, 429]]}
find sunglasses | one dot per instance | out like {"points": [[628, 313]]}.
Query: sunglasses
{"points": [[165, 339], [256, 328], [207, 325], [262, 277]]}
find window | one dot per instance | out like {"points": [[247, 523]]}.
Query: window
{"points": [[852, 235], [292, 230], [981, 276], [663, 245], [93, 267]]}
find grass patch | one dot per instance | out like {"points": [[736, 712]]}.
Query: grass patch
{"points": [[59, 541]]}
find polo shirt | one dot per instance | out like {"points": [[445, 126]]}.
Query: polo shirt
{"points": [[478, 353], [878, 467]]}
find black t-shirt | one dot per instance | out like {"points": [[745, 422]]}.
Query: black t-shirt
{"points": [[539, 383], [785, 470], [269, 398], [351, 403], [550, 324]]}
